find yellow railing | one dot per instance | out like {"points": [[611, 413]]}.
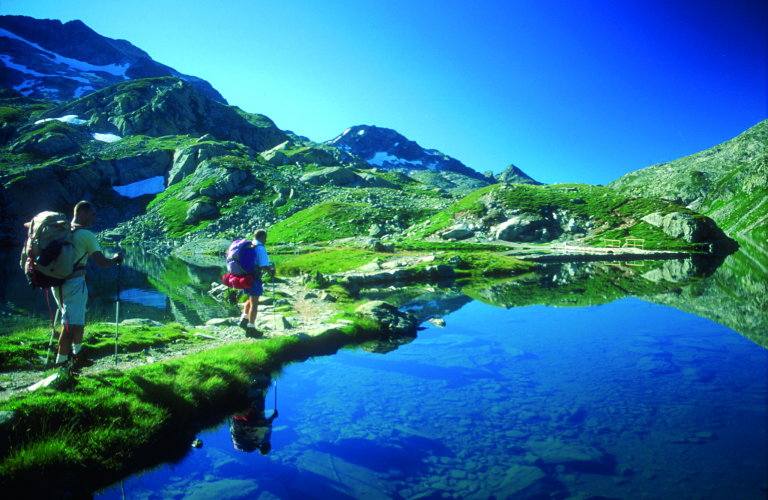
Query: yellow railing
{"points": [[612, 243], [635, 242]]}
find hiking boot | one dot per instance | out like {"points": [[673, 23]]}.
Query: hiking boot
{"points": [[79, 361], [243, 323], [252, 333]]}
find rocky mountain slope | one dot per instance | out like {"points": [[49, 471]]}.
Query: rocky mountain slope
{"points": [[728, 182], [221, 172], [45, 59]]}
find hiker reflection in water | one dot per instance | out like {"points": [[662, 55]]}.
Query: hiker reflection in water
{"points": [[252, 429]]}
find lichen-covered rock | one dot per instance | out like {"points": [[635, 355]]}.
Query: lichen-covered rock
{"points": [[389, 317]]}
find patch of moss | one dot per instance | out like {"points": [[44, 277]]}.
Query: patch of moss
{"points": [[12, 116]]}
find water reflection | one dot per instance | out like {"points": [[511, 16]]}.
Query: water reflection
{"points": [[627, 400], [732, 292], [251, 429]]}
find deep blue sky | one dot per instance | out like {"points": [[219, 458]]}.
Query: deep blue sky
{"points": [[569, 91]]}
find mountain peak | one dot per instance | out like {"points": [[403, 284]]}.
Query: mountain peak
{"points": [[387, 148], [45, 59], [512, 174]]}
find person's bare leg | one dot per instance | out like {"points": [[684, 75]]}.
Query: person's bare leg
{"points": [[67, 338], [253, 301]]}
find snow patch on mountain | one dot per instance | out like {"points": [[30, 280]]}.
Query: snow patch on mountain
{"points": [[106, 137], [381, 157], [71, 119], [20, 67], [74, 64]]}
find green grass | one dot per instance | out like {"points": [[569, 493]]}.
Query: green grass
{"points": [[111, 420], [12, 115], [335, 220], [26, 348], [330, 261], [655, 238], [174, 211]]}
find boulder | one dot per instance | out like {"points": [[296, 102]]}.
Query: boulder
{"points": [[376, 231], [682, 226], [275, 158], [458, 232], [334, 176], [197, 210], [389, 317], [438, 322], [373, 181], [524, 227]]}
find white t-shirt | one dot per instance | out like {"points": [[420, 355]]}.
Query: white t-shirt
{"points": [[262, 260]]}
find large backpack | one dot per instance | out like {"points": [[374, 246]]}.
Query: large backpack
{"points": [[234, 252], [48, 256]]}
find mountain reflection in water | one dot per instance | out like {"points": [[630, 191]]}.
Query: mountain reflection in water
{"points": [[626, 400], [733, 292]]}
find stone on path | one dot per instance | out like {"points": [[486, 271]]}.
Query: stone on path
{"points": [[272, 321], [140, 322]]}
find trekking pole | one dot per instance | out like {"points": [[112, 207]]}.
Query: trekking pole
{"points": [[117, 311], [50, 341], [274, 301]]}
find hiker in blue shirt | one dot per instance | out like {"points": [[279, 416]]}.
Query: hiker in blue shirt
{"points": [[254, 260], [252, 430]]}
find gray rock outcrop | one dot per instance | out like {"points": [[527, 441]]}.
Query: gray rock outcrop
{"points": [[683, 226], [389, 317], [458, 232], [334, 176], [526, 227]]}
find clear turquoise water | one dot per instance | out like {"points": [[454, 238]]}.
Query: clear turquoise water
{"points": [[626, 400]]}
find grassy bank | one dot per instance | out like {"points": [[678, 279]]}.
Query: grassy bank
{"points": [[111, 422]]}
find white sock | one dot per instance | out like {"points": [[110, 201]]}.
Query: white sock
{"points": [[76, 348], [61, 357], [243, 316], [251, 325]]}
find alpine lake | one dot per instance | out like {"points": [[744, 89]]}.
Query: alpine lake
{"points": [[593, 380]]}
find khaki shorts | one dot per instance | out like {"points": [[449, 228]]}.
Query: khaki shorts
{"points": [[75, 297]]}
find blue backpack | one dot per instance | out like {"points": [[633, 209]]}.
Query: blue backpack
{"points": [[234, 252]]}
